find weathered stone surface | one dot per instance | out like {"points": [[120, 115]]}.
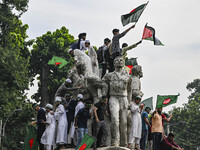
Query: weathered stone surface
{"points": [[107, 148]]}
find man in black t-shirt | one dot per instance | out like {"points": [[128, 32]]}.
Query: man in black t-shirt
{"points": [[99, 123], [81, 122]]}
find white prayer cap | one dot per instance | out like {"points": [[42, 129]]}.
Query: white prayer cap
{"points": [[80, 96], [70, 50], [58, 99], [68, 80], [49, 106], [87, 41]]}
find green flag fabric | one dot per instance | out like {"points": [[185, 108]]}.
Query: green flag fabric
{"points": [[58, 61], [166, 100], [86, 142], [148, 103], [30, 142], [134, 15]]}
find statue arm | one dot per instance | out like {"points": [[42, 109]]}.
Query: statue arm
{"points": [[105, 85], [129, 89]]}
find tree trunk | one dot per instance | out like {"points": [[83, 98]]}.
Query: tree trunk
{"points": [[44, 84]]}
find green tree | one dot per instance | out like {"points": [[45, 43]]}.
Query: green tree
{"points": [[186, 120], [10, 12], [50, 77]]}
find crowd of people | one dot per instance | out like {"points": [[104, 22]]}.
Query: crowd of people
{"points": [[65, 123]]}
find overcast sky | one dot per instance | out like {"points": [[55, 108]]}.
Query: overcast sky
{"points": [[167, 69]]}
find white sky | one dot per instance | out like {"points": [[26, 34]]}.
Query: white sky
{"points": [[167, 70]]}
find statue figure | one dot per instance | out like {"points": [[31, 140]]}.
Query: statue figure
{"points": [[136, 84], [120, 93]]}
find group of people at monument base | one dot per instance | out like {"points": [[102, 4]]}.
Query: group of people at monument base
{"points": [[67, 123]]}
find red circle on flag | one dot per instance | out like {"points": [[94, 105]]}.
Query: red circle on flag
{"points": [[166, 101]]}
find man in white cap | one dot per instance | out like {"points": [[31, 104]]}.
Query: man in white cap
{"points": [[136, 128], [93, 56], [48, 137], [61, 117], [79, 106], [65, 88], [80, 56]]}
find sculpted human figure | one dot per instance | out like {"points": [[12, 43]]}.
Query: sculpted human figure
{"points": [[136, 84], [119, 85]]}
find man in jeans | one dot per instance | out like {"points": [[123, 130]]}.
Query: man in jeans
{"points": [[81, 122], [145, 125], [99, 122], [157, 128]]}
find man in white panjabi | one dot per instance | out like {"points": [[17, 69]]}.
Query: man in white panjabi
{"points": [[136, 127], [93, 56], [61, 117], [79, 106], [48, 137], [80, 56]]}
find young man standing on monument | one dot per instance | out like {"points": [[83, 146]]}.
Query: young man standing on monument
{"points": [[145, 126], [135, 134], [81, 122], [116, 51], [40, 125], [100, 109]]}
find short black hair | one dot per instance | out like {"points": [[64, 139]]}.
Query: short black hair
{"points": [[124, 45], [81, 35], [115, 30], [147, 108], [171, 135], [107, 40]]}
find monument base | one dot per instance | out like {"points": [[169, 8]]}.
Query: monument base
{"points": [[105, 148]]}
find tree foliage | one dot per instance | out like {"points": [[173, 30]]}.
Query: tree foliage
{"points": [[50, 77], [186, 120]]}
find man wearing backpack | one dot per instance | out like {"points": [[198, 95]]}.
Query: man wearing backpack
{"points": [[103, 55]]}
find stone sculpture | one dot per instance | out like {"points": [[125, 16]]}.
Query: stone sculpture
{"points": [[120, 93]]}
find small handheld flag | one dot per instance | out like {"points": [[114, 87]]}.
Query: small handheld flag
{"points": [[149, 34], [134, 15], [86, 142], [58, 61], [166, 100]]}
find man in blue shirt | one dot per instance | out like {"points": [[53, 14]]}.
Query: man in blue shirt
{"points": [[145, 125], [81, 122]]}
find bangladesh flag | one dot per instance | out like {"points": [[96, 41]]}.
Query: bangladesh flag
{"points": [[58, 61], [86, 142], [30, 142], [149, 34], [166, 100], [130, 63], [148, 103], [134, 15]]}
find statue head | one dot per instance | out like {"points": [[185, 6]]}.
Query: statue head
{"points": [[119, 62], [81, 68], [137, 71]]}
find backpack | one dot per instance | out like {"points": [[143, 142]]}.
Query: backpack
{"points": [[74, 46]]}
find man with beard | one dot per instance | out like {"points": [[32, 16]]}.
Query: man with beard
{"points": [[157, 128]]}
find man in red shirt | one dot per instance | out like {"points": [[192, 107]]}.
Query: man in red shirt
{"points": [[169, 144]]}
